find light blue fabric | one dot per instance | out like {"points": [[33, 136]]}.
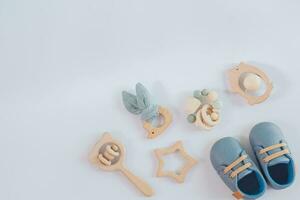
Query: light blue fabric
{"points": [[223, 153], [279, 172], [140, 103]]}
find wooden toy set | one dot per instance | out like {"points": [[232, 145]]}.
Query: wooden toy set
{"points": [[203, 110]]}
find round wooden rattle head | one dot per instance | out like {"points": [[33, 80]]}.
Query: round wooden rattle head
{"points": [[108, 153]]}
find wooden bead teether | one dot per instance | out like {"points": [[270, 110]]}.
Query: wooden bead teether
{"points": [[203, 109], [108, 154]]}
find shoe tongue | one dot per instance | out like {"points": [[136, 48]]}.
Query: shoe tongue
{"points": [[244, 173], [279, 160]]}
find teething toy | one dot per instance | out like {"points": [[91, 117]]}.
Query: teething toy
{"points": [[246, 80], [108, 154], [141, 104], [203, 109], [180, 175]]}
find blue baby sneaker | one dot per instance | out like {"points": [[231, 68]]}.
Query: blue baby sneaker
{"points": [[236, 169], [273, 154]]}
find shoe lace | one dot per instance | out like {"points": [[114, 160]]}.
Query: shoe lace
{"points": [[239, 169], [274, 155]]}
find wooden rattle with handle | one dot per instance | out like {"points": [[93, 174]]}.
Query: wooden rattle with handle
{"points": [[108, 154]]}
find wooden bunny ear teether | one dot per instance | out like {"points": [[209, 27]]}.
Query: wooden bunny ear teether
{"points": [[141, 104], [203, 109], [246, 79], [108, 154]]}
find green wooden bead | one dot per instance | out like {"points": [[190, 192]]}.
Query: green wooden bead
{"points": [[197, 94], [205, 92], [191, 118]]}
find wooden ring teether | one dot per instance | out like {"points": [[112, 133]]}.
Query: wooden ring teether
{"points": [[155, 131], [234, 80]]}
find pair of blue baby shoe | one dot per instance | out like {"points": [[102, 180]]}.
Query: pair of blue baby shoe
{"points": [[240, 173]]}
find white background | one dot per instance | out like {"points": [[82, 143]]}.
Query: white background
{"points": [[64, 64]]}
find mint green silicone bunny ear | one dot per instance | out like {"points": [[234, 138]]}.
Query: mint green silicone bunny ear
{"points": [[141, 103], [130, 102], [143, 96]]}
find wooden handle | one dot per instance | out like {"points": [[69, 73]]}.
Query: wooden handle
{"points": [[139, 183]]}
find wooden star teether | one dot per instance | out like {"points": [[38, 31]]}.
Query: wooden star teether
{"points": [[108, 154], [180, 175], [246, 80], [141, 104], [203, 109]]}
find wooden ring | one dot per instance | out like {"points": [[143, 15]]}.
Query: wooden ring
{"points": [[155, 131], [204, 120], [207, 118], [234, 78]]}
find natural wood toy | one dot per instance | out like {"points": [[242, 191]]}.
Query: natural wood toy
{"points": [[203, 109], [180, 175], [108, 154], [246, 80], [141, 104]]}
